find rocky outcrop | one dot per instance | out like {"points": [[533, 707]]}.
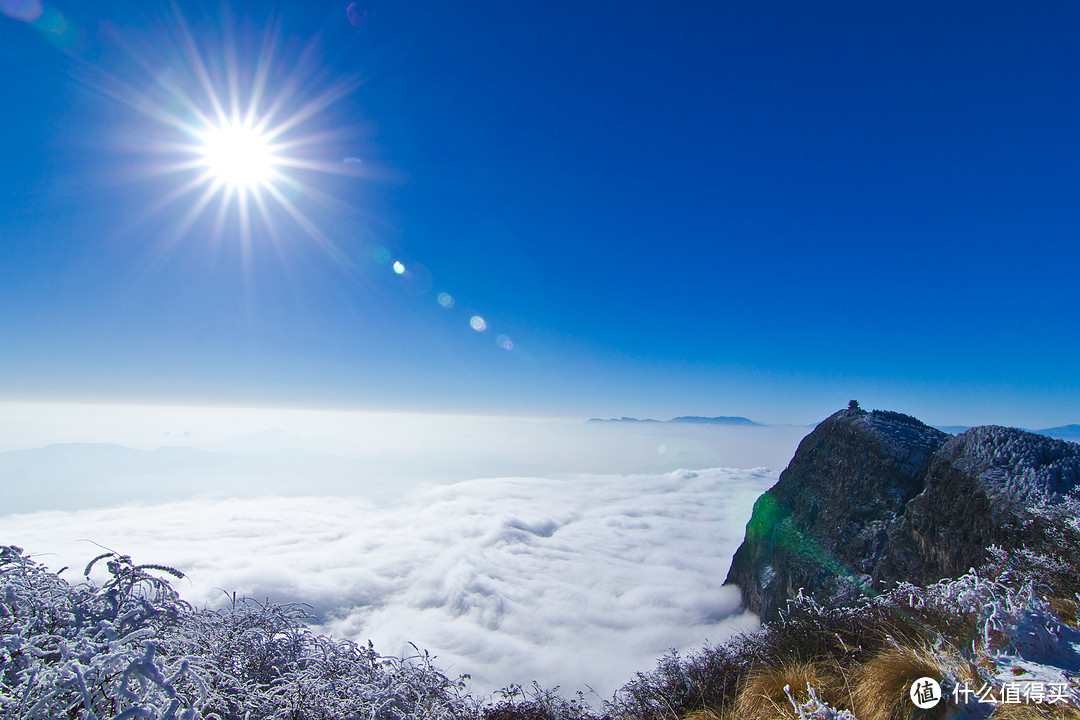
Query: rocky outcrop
{"points": [[986, 486], [873, 498]]}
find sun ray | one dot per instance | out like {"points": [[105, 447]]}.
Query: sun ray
{"points": [[189, 218], [245, 235], [313, 230], [271, 230], [245, 136], [262, 73]]}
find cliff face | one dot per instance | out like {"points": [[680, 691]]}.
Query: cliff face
{"points": [[879, 497]]}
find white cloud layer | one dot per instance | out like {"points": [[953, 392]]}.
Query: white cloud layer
{"points": [[578, 581], [514, 549]]}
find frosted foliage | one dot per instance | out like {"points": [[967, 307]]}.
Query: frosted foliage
{"points": [[1014, 626], [815, 708], [903, 432], [1019, 465], [1010, 619], [132, 649], [1060, 517]]}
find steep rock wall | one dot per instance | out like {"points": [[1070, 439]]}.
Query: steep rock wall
{"points": [[875, 498]]}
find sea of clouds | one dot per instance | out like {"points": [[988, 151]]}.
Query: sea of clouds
{"points": [[390, 528]]}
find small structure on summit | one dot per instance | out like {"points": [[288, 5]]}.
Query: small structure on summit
{"points": [[873, 499]]}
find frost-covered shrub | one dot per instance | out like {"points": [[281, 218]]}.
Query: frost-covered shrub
{"points": [[537, 703], [132, 649], [86, 651], [704, 678]]}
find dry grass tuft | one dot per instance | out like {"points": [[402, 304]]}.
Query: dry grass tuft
{"points": [[707, 714], [762, 695], [1067, 610], [882, 684], [1035, 711]]}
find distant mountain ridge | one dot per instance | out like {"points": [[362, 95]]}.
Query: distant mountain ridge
{"points": [[690, 419], [1062, 432]]}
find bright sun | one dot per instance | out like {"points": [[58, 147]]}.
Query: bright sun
{"points": [[238, 155], [240, 131]]}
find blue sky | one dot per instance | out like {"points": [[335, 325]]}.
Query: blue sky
{"points": [[758, 209]]}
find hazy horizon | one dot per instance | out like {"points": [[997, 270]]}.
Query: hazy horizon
{"points": [[46, 413]]}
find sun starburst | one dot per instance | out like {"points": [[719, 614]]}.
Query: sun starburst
{"points": [[244, 132], [239, 155]]}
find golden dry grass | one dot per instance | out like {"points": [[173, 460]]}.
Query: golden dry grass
{"points": [[707, 714], [1067, 610], [1035, 711], [882, 683], [762, 695], [874, 690]]}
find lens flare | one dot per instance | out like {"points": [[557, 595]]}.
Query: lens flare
{"points": [[356, 14], [25, 10], [53, 25], [477, 323], [504, 342], [446, 300], [399, 268]]}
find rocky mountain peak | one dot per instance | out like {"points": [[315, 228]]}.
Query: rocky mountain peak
{"points": [[872, 498]]}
